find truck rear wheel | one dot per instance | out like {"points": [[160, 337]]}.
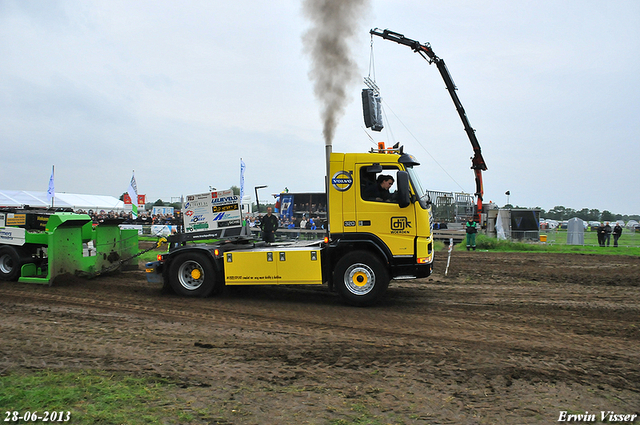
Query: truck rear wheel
{"points": [[193, 274], [10, 263], [360, 278]]}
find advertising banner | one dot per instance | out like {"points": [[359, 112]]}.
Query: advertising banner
{"points": [[209, 212], [12, 235], [162, 211], [286, 206], [126, 199]]}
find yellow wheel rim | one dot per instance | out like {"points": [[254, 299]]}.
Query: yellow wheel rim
{"points": [[191, 275], [360, 279], [196, 274]]}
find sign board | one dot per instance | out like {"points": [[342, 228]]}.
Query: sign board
{"points": [[15, 219], [12, 236], [212, 212], [162, 211], [126, 199]]}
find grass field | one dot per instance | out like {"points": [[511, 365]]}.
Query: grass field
{"points": [[628, 238], [87, 397], [629, 244]]}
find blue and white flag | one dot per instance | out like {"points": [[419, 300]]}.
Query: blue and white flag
{"points": [[286, 206], [51, 192], [242, 167], [133, 194]]}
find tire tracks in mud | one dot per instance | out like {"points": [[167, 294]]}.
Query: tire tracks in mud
{"points": [[497, 339], [505, 332]]}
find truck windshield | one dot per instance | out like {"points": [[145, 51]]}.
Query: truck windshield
{"points": [[423, 197]]}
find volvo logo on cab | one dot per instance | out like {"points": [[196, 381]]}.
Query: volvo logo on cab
{"points": [[342, 181]]}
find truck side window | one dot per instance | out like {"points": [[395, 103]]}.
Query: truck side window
{"points": [[378, 187]]}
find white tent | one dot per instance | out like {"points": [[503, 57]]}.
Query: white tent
{"points": [[18, 198]]}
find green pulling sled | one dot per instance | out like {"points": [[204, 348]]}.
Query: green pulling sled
{"points": [[36, 246]]}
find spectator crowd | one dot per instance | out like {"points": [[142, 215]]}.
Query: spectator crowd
{"points": [[284, 222], [144, 218], [302, 222]]}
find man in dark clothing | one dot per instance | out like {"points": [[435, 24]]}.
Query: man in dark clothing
{"points": [[269, 225], [601, 234], [471, 234], [380, 191], [617, 232], [607, 234]]}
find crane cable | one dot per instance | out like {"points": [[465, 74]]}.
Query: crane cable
{"points": [[388, 126], [372, 66], [418, 141], [372, 70]]}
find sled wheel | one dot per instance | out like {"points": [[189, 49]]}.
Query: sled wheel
{"points": [[10, 263]]}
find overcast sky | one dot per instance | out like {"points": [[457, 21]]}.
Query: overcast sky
{"points": [[180, 91]]}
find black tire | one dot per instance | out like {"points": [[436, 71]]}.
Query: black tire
{"points": [[10, 263], [192, 274], [360, 278]]}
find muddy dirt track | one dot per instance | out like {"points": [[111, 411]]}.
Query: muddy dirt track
{"points": [[503, 339]]}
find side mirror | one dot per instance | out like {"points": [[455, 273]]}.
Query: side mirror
{"points": [[404, 193]]}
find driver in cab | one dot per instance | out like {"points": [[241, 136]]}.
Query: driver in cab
{"points": [[380, 191]]}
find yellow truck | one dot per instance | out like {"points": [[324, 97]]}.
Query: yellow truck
{"points": [[370, 239]]}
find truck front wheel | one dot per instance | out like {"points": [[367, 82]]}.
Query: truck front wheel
{"points": [[10, 263], [192, 274], [360, 278]]}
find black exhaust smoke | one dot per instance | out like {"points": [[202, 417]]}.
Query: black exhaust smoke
{"points": [[329, 41]]}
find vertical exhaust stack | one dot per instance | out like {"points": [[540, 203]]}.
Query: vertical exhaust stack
{"points": [[334, 24]]}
